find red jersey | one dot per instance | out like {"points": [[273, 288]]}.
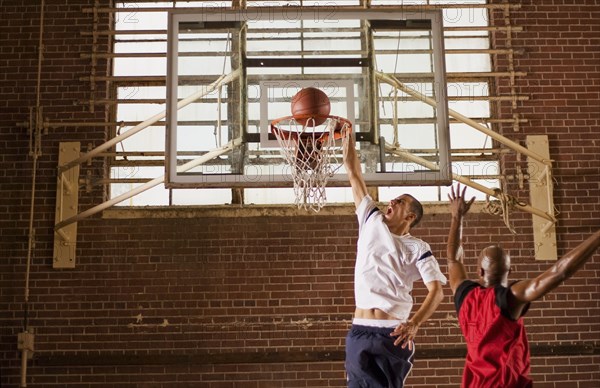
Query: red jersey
{"points": [[497, 348]]}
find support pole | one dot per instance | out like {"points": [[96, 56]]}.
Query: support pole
{"points": [[425, 163], [24, 356], [154, 182], [460, 117], [25, 339], [25, 343], [148, 122]]}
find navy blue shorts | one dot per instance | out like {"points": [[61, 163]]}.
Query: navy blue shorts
{"points": [[373, 361]]}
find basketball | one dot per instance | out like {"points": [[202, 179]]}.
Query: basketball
{"points": [[309, 103]]}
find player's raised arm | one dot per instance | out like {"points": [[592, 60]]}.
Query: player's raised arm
{"points": [[458, 208], [359, 187], [407, 331], [529, 290]]}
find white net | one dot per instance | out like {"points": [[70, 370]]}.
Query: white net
{"points": [[314, 155]]}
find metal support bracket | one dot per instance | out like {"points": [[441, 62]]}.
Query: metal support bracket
{"points": [[67, 200], [25, 341], [541, 196]]}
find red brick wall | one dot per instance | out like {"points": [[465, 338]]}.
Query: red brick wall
{"points": [[266, 301]]}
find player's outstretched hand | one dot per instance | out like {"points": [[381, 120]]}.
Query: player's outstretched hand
{"points": [[458, 206]]}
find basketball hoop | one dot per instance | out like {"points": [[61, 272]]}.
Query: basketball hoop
{"points": [[312, 151]]}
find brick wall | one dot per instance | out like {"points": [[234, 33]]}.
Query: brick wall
{"points": [[266, 301]]}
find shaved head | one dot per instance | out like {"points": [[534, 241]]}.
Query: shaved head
{"points": [[494, 266]]}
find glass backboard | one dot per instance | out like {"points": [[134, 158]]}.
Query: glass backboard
{"points": [[231, 72]]}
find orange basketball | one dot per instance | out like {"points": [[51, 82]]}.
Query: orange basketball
{"points": [[309, 103]]}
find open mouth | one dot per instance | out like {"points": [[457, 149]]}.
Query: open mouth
{"points": [[389, 210]]}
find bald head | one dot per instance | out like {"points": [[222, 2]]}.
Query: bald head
{"points": [[494, 266]]}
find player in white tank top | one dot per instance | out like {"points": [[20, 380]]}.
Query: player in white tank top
{"points": [[388, 261]]}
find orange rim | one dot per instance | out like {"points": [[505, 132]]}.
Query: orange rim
{"points": [[317, 135]]}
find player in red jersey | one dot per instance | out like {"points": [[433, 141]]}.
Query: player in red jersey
{"points": [[490, 312]]}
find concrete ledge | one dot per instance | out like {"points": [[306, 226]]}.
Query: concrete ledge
{"points": [[234, 211]]}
